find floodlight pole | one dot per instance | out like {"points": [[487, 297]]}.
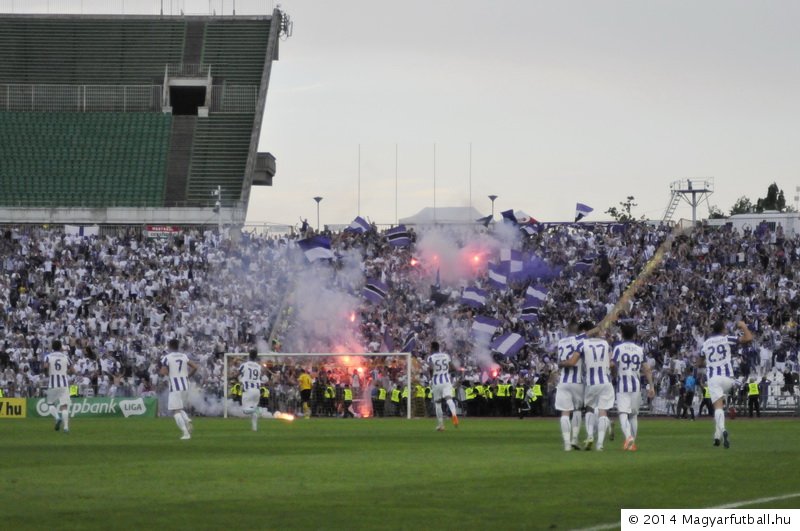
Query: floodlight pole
{"points": [[318, 199]]}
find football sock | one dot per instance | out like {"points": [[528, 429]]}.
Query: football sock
{"points": [[602, 428], [180, 421], [634, 421], [452, 407], [566, 430], [53, 411], [439, 413], [185, 416], [719, 419], [590, 425], [624, 425], [65, 418], [576, 425]]}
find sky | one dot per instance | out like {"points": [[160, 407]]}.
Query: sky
{"points": [[561, 102], [555, 101]]}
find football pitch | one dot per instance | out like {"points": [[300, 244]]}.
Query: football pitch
{"points": [[377, 474]]}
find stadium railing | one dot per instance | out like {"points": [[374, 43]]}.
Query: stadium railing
{"points": [[81, 98], [140, 7]]}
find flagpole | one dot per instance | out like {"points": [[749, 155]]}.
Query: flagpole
{"points": [[470, 176], [434, 182], [359, 180]]}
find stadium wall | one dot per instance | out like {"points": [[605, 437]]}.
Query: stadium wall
{"points": [[123, 215]]}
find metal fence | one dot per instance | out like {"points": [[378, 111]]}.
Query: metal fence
{"points": [[234, 98], [188, 70], [139, 7], [81, 98]]}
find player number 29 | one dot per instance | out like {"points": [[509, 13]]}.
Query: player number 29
{"points": [[721, 350]]}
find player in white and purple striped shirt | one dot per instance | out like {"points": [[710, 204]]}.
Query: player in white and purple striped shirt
{"points": [[569, 392], [599, 395], [58, 367], [441, 385], [175, 365], [717, 358], [250, 378], [629, 360]]}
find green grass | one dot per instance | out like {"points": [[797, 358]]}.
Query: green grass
{"points": [[374, 474]]}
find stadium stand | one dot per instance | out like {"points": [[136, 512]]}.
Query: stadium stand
{"points": [[92, 159], [107, 111], [88, 50], [219, 155], [236, 49]]}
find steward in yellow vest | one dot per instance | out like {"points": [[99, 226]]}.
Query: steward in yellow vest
{"points": [[705, 403], [329, 396], [396, 401], [73, 390], [264, 400], [236, 393], [378, 401], [347, 401], [753, 401]]}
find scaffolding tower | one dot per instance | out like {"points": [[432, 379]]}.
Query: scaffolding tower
{"points": [[693, 191]]}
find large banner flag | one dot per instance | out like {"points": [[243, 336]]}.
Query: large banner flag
{"points": [[498, 278], [584, 265], [359, 226], [537, 268], [474, 297], [581, 211], [398, 236], [530, 309], [410, 342], [81, 230], [509, 217], [484, 220], [537, 292], [316, 248], [512, 261], [375, 291], [484, 327], [508, 344]]}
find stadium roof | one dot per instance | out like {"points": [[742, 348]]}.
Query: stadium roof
{"points": [[430, 215]]}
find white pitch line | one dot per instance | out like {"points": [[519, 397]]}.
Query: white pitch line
{"points": [[734, 505]]}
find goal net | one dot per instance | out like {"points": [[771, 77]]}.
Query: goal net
{"points": [[342, 385]]}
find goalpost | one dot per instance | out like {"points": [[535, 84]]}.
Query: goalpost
{"points": [[321, 357]]}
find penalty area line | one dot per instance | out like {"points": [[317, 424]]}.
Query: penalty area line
{"points": [[734, 505]]}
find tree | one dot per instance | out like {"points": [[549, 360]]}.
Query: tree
{"points": [[623, 213], [715, 212], [742, 206], [772, 199]]}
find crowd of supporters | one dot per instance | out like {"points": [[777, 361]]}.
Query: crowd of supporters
{"points": [[115, 301]]}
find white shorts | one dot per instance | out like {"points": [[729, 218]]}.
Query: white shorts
{"points": [[59, 396], [569, 396], [177, 399], [442, 391], [629, 402], [719, 386], [600, 396], [250, 398]]}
